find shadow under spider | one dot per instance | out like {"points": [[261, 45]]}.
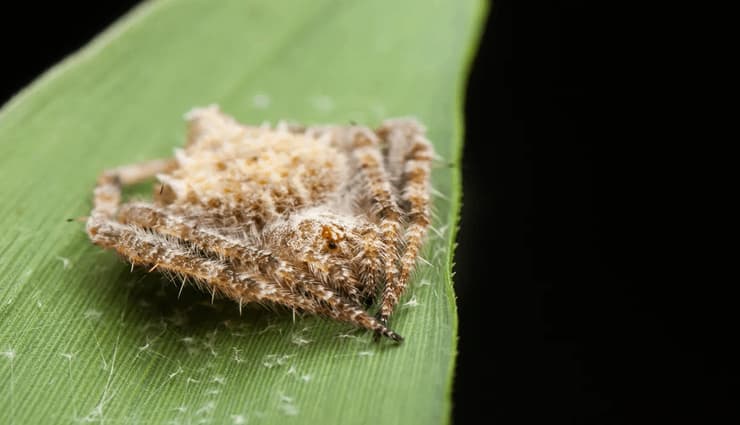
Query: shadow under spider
{"points": [[188, 311]]}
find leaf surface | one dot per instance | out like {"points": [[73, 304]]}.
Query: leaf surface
{"points": [[84, 339]]}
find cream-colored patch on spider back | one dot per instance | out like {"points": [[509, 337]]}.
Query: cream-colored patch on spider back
{"points": [[262, 172]]}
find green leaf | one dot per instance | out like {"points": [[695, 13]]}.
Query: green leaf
{"points": [[84, 339]]}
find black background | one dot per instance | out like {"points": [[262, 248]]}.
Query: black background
{"points": [[582, 296]]}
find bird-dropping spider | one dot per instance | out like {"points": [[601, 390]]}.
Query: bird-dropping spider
{"points": [[319, 219]]}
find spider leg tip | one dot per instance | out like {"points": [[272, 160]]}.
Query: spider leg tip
{"points": [[382, 318], [388, 334], [395, 337]]}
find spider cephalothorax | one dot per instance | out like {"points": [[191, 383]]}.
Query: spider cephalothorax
{"points": [[320, 219]]}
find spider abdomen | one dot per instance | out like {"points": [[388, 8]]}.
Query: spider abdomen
{"points": [[262, 172]]}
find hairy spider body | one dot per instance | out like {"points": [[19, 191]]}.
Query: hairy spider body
{"points": [[319, 219]]}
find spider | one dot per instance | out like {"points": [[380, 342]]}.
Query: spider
{"points": [[321, 219]]}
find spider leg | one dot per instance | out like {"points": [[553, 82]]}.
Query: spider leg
{"points": [[409, 156], [339, 279], [168, 254], [235, 250], [370, 266], [253, 264], [164, 221], [107, 194], [366, 153]]}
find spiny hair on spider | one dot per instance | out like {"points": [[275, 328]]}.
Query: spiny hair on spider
{"points": [[320, 219]]}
